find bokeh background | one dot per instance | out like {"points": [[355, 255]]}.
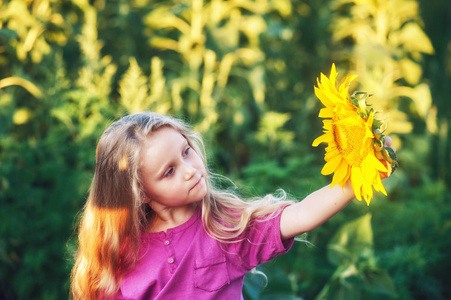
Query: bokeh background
{"points": [[242, 72]]}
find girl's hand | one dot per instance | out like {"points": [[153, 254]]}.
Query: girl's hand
{"points": [[387, 143], [319, 206]]}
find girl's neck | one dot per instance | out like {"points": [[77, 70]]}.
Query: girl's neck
{"points": [[170, 217]]}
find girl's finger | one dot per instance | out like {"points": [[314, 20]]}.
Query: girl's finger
{"points": [[387, 141]]}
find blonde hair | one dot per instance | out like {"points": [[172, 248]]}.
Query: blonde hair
{"points": [[115, 212]]}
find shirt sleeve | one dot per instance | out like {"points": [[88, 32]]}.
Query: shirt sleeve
{"points": [[262, 241]]}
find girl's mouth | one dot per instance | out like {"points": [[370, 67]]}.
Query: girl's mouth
{"points": [[197, 183]]}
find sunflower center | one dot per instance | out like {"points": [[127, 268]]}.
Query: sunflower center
{"points": [[348, 139]]}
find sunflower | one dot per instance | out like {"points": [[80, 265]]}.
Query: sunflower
{"points": [[354, 141]]}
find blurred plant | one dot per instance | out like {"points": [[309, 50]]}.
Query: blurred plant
{"points": [[28, 30], [31, 27], [383, 41], [437, 71], [29, 86], [205, 53], [139, 94], [214, 65], [271, 132], [357, 276], [276, 285], [47, 139], [83, 106]]}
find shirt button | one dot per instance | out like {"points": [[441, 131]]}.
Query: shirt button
{"points": [[171, 260], [166, 242]]}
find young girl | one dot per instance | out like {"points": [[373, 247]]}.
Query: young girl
{"points": [[154, 226]]}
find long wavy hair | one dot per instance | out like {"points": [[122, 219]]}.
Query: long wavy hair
{"points": [[116, 210]]}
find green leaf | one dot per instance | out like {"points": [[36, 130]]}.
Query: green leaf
{"points": [[345, 284], [378, 281], [353, 240], [7, 34]]}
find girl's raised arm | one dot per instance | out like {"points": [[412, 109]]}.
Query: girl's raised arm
{"points": [[318, 207], [314, 210]]}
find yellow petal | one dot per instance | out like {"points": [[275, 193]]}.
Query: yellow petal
{"points": [[327, 124], [323, 98], [370, 120], [376, 163], [349, 79], [346, 178], [326, 113], [321, 139], [324, 80], [351, 120], [330, 153], [340, 174], [333, 75], [378, 186], [370, 171], [367, 193], [356, 181], [343, 89], [331, 165]]}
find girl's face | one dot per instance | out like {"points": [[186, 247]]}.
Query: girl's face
{"points": [[173, 174]]}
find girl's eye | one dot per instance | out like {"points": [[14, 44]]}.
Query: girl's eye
{"points": [[169, 172], [187, 150]]}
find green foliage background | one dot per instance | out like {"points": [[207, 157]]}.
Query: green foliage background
{"points": [[242, 72]]}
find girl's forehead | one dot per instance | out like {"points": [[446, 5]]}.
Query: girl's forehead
{"points": [[165, 133], [163, 141]]}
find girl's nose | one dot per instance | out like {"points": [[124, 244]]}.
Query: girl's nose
{"points": [[189, 172]]}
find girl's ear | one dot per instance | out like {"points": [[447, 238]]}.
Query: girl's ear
{"points": [[146, 199]]}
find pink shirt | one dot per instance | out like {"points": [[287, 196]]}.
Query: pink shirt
{"points": [[186, 263]]}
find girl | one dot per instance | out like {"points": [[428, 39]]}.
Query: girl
{"points": [[154, 226]]}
